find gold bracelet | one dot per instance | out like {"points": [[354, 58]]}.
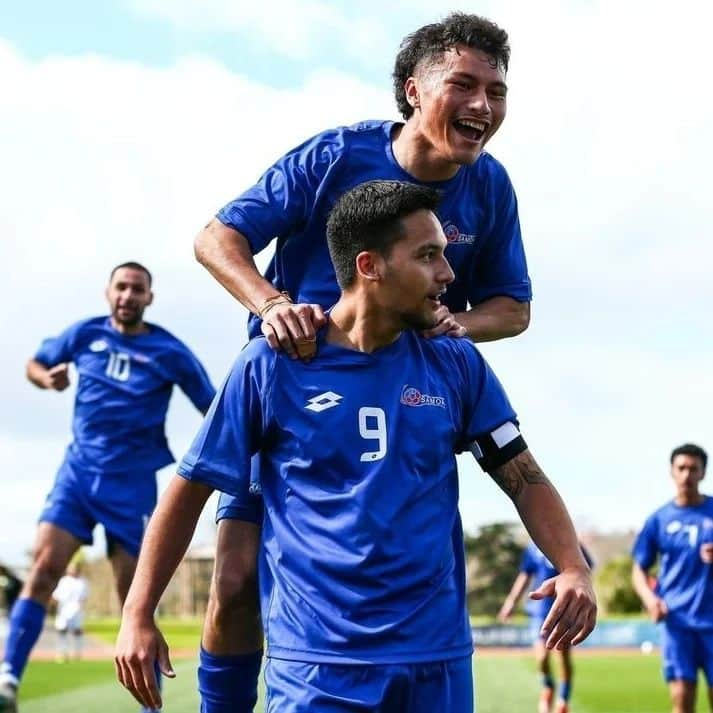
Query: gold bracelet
{"points": [[270, 302]]}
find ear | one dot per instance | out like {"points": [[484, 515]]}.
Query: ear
{"points": [[150, 298], [369, 265], [411, 91]]}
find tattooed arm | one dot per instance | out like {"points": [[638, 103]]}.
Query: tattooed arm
{"points": [[545, 516]]}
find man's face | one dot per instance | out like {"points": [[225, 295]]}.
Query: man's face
{"points": [[416, 272], [128, 294], [687, 472], [461, 102]]}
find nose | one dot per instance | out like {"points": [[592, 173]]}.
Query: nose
{"points": [[446, 274], [479, 101]]}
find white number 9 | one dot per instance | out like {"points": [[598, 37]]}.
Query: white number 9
{"points": [[378, 433]]}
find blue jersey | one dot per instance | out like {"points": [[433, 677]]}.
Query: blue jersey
{"points": [[536, 565], [292, 201], [363, 553], [124, 387], [684, 582]]}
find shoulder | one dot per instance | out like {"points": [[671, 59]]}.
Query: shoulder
{"points": [[256, 358], [459, 350], [342, 137], [488, 171]]}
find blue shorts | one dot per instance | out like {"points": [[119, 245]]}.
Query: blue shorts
{"points": [[121, 502], [248, 508], [684, 651], [296, 687]]}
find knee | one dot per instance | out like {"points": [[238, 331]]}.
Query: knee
{"points": [[45, 573], [234, 588]]}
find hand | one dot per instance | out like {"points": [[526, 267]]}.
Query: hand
{"points": [[57, 378], [445, 324], [574, 611], [139, 648], [505, 611], [292, 327], [656, 607], [707, 552]]}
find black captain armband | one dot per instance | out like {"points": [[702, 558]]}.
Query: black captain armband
{"points": [[496, 448]]}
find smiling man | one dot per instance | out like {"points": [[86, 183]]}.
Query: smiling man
{"points": [[450, 87], [363, 575], [127, 368]]}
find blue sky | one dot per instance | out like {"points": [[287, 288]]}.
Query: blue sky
{"points": [[125, 125]]}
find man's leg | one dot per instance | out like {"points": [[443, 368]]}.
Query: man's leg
{"points": [[53, 549], [679, 648], [567, 674], [542, 657], [231, 645], [683, 696]]}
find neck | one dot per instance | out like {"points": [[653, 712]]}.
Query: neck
{"points": [[417, 156], [355, 324], [686, 500], [129, 329]]}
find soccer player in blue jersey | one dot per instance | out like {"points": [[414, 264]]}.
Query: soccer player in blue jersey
{"points": [[450, 87], [680, 536], [362, 564], [536, 568], [127, 368]]}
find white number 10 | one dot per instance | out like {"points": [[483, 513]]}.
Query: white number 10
{"points": [[378, 433]]}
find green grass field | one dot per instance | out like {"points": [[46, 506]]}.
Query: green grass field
{"points": [[505, 683]]}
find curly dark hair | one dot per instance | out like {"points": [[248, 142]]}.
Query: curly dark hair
{"points": [[428, 41], [368, 217]]}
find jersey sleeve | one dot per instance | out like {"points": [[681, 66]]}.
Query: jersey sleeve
{"points": [[60, 349], [490, 431], [527, 562], [194, 380], [501, 269], [646, 546], [282, 200], [232, 430]]}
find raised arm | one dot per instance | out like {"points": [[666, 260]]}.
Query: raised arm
{"points": [[496, 318], [573, 614], [226, 254], [140, 644], [55, 378]]}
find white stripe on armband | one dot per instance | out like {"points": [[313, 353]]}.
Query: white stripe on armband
{"points": [[505, 434]]}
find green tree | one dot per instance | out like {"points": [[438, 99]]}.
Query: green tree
{"points": [[614, 589], [493, 559]]}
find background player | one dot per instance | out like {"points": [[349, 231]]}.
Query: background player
{"points": [[449, 83], [680, 536], [536, 567], [127, 369], [70, 594]]}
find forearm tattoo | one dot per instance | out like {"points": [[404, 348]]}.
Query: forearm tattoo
{"points": [[517, 474]]}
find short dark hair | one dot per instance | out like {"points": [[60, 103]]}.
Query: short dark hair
{"points": [[425, 43], [690, 449], [368, 217], [131, 265]]}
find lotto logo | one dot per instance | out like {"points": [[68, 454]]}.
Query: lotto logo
{"points": [[324, 401]]}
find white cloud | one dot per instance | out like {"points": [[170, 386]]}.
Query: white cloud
{"points": [[608, 144]]}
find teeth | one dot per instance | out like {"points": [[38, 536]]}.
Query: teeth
{"points": [[479, 125]]}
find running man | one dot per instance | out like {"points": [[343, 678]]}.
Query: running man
{"points": [[680, 536], [127, 369], [536, 568], [362, 584], [450, 86]]}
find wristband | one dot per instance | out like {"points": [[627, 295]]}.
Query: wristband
{"points": [[270, 302]]}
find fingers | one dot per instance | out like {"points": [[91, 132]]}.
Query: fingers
{"points": [[445, 324], [570, 620], [164, 662], [546, 589], [292, 328], [136, 674]]}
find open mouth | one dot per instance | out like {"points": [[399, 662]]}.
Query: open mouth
{"points": [[471, 129]]}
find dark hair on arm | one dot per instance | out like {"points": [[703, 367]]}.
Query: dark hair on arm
{"points": [[368, 217], [429, 41], [131, 265]]}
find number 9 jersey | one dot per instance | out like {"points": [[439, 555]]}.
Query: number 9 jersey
{"points": [[362, 549]]}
